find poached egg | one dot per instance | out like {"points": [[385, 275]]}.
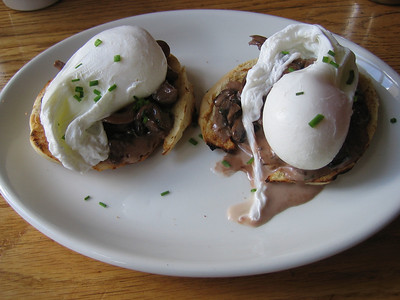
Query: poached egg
{"points": [[307, 113], [107, 73]]}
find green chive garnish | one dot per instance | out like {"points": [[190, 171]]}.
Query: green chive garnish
{"points": [[299, 93], [103, 204], [334, 64], [63, 137], [113, 87], [87, 198], [393, 120], [317, 119], [139, 102], [145, 119], [117, 58], [97, 42], [78, 89], [326, 59], [290, 69], [93, 82], [351, 77], [78, 66], [253, 190], [77, 98], [97, 98], [193, 141], [97, 92], [331, 53], [285, 52], [250, 161], [226, 164], [200, 136], [75, 80], [164, 193]]}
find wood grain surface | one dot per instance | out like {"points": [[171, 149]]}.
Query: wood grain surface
{"points": [[32, 266]]}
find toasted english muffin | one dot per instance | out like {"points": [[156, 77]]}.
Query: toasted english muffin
{"points": [[365, 104], [208, 109], [182, 112]]}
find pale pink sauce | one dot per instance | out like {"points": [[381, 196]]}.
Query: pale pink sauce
{"points": [[280, 195]]}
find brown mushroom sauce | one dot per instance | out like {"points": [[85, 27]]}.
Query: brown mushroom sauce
{"points": [[136, 130]]}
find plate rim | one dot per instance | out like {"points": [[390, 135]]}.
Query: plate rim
{"points": [[177, 270]]}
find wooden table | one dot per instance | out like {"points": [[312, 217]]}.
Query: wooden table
{"points": [[33, 266]]}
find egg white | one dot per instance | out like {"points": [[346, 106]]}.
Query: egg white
{"points": [[285, 117], [73, 126]]}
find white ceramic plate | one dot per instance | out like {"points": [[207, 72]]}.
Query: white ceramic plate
{"points": [[186, 233]]}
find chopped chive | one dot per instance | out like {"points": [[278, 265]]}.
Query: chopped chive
{"points": [[145, 119], [93, 82], [226, 164], [326, 59], [77, 98], [87, 198], [97, 92], [253, 190], [103, 204], [250, 161], [97, 42], [97, 98], [75, 80], [113, 87], [285, 52], [331, 53], [79, 89], [63, 137], [316, 120], [393, 120], [299, 93], [193, 141], [290, 69], [200, 136], [117, 58], [139, 102], [164, 193], [351, 77], [78, 66], [334, 64]]}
